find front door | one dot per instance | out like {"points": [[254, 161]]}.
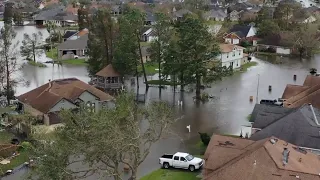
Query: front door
{"points": [[176, 162], [231, 64]]}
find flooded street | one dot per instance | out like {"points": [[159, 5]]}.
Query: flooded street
{"points": [[226, 113]]}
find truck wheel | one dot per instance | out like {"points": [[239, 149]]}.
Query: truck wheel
{"points": [[191, 168], [166, 165]]}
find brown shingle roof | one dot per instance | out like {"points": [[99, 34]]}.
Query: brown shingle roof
{"points": [[258, 160], [224, 48], [108, 71], [297, 96], [46, 96]]}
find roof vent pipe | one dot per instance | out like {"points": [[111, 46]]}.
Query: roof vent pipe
{"points": [[314, 115]]}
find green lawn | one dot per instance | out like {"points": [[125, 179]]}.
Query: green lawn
{"points": [[5, 137], [145, 44], [171, 174], [150, 68], [54, 56], [37, 64], [17, 161], [247, 65]]}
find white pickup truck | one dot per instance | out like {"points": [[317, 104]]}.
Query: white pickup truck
{"points": [[181, 160]]}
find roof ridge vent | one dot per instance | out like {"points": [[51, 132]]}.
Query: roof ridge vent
{"points": [[314, 115]]}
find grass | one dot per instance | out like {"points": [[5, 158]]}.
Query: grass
{"points": [[145, 44], [171, 174], [5, 137], [5, 109], [37, 64], [17, 161], [54, 56], [211, 22], [249, 117], [248, 65], [150, 68]]}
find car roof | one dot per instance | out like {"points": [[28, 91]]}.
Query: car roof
{"points": [[181, 154]]}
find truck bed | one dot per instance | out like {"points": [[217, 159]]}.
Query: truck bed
{"points": [[167, 156]]}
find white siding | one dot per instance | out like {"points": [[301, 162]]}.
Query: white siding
{"points": [[236, 41], [230, 58], [251, 32], [227, 40], [86, 97], [281, 50], [62, 104]]}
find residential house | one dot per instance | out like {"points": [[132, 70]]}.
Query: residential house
{"points": [[240, 33], [234, 15], [315, 11], [231, 158], [295, 96], [75, 45], [215, 3], [107, 78], [68, 34], [180, 13], [303, 16], [248, 16], [57, 16], [116, 10], [232, 55], [150, 18], [148, 35], [49, 99], [278, 43], [216, 14], [299, 126], [264, 115]]}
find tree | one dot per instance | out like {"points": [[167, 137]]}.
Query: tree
{"points": [[136, 20], [268, 27], [306, 40], [197, 4], [196, 48], [8, 61], [8, 13], [126, 56], [83, 18], [285, 11], [104, 141], [159, 45], [30, 45], [17, 18], [101, 41], [263, 14]]}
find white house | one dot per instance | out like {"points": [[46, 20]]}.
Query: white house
{"points": [[148, 35], [232, 55]]}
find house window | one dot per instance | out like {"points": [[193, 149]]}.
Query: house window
{"points": [[234, 53]]}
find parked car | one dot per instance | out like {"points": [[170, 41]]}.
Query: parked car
{"points": [[181, 160], [271, 102]]}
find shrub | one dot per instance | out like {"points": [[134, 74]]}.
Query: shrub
{"points": [[26, 146], [205, 138]]}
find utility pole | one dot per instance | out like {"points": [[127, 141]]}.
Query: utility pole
{"points": [[257, 98]]}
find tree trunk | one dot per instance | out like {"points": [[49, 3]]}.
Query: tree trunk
{"points": [[198, 90], [8, 80], [181, 81], [142, 64], [159, 66], [133, 175], [34, 52]]}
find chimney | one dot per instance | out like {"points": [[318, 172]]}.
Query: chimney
{"points": [[314, 115]]}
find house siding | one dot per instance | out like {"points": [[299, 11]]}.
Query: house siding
{"points": [[282, 50], [252, 32], [234, 58], [62, 104]]}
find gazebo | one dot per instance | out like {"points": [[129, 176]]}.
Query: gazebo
{"points": [[107, 78]]}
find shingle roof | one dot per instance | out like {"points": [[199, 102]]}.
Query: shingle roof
{"points": [[49, 14], [215, 14], [224, 48], [80, 43], [46, 96], [257, 160], [108, 71], [298, 127], [180, 13], [297, 96], [241, 31], [68, 34], [263, 115]]}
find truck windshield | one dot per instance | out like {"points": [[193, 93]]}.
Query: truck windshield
{"points": [[189, 157]]}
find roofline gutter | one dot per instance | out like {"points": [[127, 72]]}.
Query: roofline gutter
{"points": [[314, 115], [309, 148]]}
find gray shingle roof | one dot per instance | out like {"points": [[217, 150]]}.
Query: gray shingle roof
{"points": [[297, 128], [49, 13], [263, 115], [182, 12], [215, 14], [80, 43]]}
